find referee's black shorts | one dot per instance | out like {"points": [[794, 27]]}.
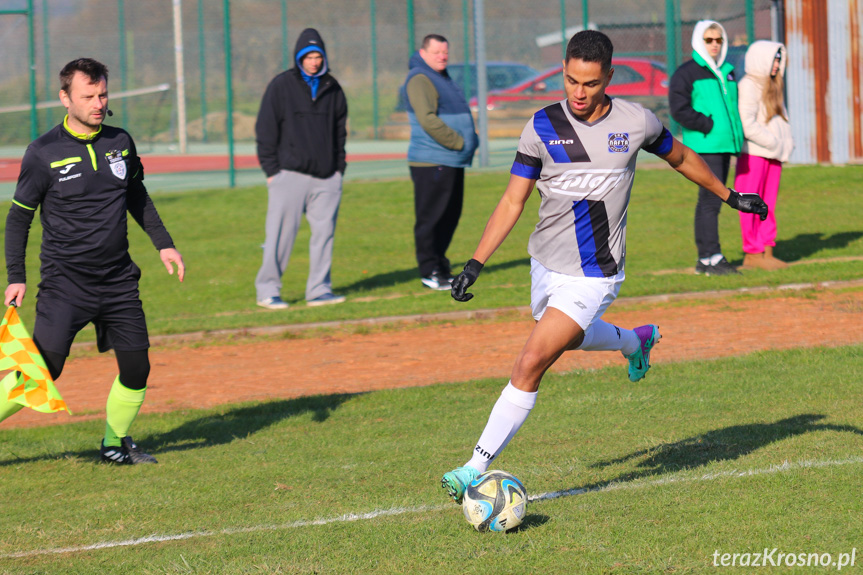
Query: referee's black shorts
{"points": [[113, 304]]}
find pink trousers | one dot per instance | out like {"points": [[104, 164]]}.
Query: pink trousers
{"points": [[757, 175]]}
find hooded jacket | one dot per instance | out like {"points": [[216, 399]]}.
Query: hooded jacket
{"points": [[702, 98], [765, 137], [452, 110], [297, 132]]}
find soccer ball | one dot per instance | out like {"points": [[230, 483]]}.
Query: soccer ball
{"points": [[495, 501]]}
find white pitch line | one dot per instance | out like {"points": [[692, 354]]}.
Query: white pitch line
{"points": [[785, 466], [781, 468]]}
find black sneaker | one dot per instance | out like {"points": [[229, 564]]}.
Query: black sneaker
{"points": [[720, 268], [126, 454], [723, 268]]}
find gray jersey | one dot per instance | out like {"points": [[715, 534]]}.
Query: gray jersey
{"points": [[584, 175]]}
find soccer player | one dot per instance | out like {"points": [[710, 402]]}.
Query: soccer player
{"points": [[580, 153], [85, 176]]}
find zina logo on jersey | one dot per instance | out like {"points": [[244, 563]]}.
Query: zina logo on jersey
{"points": [[584, 183]]}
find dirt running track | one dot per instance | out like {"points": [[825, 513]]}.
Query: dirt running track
{"points": [[186, 376]]}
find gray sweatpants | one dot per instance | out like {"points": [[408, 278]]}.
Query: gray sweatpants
{"points": [[290, 195]]}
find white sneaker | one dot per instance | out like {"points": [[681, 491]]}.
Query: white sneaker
{"points": [[274, 302], [326, 299], [437, 281]]}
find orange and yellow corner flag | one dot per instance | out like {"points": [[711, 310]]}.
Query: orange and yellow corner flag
{"points": [[30, 382]]}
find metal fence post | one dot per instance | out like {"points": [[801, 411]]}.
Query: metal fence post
{"points": [[46, 59], [671, 50], [202, 64], [465, 16], [481, 80], [34, 118], [229, 121], [750, 22], [124, 76], [180, 74], [375, 118], [563, 27], [411, 31], [286, 57]]}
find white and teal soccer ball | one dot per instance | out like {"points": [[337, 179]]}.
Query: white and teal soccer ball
{"points": [[495, 501]]}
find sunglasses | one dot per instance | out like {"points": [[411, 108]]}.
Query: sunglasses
{"points": [[709, 41]]}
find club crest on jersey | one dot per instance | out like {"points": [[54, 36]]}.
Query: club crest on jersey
{"points": [[117, 164], [618, 143]]}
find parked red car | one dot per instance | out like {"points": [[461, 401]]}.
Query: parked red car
{"points": [[637, 77]]}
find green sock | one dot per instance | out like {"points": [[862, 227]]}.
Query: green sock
{"points": [[8, 408], [122, 409]]}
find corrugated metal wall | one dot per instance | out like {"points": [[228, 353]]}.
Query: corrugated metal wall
{"points": [[825, 80]]}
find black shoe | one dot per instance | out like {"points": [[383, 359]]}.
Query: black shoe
{"points": [[720, 268], [724, 268], [126, 454]]}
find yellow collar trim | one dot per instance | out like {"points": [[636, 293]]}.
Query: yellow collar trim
{"points": [[76, 134]]}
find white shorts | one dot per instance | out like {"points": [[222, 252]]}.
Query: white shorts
{"points": [[582, 299]]}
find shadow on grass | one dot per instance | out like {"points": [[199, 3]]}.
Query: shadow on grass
{"points": [[725, 444], [531, 521], [804, 245], [408, 275], [214, 429], [221, 428]]}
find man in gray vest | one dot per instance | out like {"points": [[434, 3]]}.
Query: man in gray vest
{"points": [[443, 140]]}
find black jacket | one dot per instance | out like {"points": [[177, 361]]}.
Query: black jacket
{"points": [[84, 187], [295, 132]]}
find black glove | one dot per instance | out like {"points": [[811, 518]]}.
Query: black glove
{"points": [[749, 203], [465, 279]]}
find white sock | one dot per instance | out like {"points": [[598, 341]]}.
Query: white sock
{"points": [[506, 418], [602, 336]]}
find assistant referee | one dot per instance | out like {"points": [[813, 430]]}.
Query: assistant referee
{"points": [[86, 176]]}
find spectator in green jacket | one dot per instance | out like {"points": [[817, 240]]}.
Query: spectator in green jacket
{"points": [[702, 98]]}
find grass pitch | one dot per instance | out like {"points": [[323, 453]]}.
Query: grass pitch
{"points": [[729, 456]]}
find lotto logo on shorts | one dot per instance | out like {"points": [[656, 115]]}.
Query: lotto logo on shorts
{"points": [[618, 143]]}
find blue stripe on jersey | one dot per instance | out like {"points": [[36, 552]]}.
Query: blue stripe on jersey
{"points": [[661, 145], [525, 171], [546, 132], [592, 234], [526, 166]]}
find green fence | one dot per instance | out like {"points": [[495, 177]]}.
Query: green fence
{"points": [[368, 45]]}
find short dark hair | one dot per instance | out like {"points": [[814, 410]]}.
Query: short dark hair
{"points": [[436, 37], [91, 68], [590, 46]]}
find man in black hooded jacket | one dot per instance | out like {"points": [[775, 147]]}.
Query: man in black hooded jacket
{"points": [[301, 133]]}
